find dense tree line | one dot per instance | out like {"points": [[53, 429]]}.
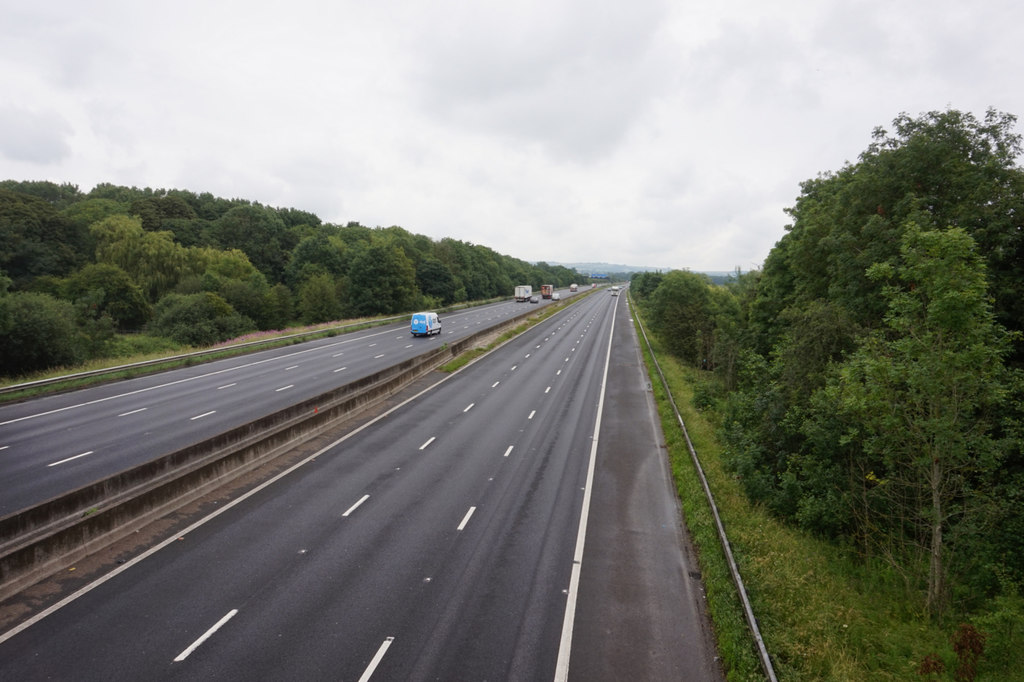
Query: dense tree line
{"points": [[76, 269], [871, 371]]}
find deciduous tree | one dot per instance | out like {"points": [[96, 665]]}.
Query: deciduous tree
{"points": [[921, 390]]}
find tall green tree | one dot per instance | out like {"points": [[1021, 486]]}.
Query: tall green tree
{"points": [[37, 332], [680, 313], [152, 259], [318, 300], [36, 240], [315, 254], [920, 391], [109, 290], [259, 233], [435, 279], [383, 280]]}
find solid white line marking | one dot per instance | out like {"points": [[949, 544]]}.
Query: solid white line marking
{"points": [[465, 519], [509, 451], [196, 644], [531, 414], [376, 660], [200, 416], [227, 386], [125, 414], [340, 369], [284, 388], [468, 407], [565, 645], [70, 458], [429, 441], [355, 506]]}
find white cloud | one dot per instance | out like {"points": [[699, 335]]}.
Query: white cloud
{"points": [[670, 134], [40, 137]]}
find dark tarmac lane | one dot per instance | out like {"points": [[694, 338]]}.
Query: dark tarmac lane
{"points": [[437, 544]]}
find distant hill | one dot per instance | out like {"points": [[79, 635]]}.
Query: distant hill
{"points": [[717, 276], [606, 268]]}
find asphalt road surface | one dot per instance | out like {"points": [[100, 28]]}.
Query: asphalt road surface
{"points": [[439, 542], [55, 444]]}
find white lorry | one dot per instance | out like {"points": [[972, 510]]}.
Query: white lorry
{"points": [[523, 293]]}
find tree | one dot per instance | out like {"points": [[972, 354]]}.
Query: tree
{"points": [[152, 259], [435, 279], [680, 313], [110, 291], [153, 211], [278, 307], [36, 240], [643, 284], [814, 299], [198, 319], [922, 389], [258, 232], [382, 280], [318, 300], [58, 196], [315, 254], [37, 332]]}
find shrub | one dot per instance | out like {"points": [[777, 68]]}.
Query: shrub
{"points": [[199, 319]]}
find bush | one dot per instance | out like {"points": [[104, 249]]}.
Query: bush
{"points": [[37, 332], [201, 319]]}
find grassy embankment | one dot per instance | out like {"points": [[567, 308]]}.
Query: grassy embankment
{"points": [[823, 614]]}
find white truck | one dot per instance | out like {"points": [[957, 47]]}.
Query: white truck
{"points": [[523, 293], [574, 287]]}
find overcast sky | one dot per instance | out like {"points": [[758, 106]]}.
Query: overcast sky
{"points": [[669, 134]]}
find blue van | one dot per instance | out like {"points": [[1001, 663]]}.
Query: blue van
{"points": [[425, 324]]}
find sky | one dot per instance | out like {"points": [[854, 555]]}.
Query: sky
{"points": [[669, 134]]}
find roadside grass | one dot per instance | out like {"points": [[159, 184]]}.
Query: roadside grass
{"points": [[823, 614]]}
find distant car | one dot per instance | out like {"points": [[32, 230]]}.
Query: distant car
{"points": [[556, 296], [425, 324], [534, 299]]}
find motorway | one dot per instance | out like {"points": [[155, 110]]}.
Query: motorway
{"points": [[56, 444], [446, 539]]}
